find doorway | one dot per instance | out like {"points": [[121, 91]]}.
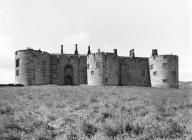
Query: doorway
{"points": [[68, 75]]}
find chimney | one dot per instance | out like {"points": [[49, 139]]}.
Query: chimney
{"points": [[98, 50], [154, 52], [115, 51], [76, 50], [61, 49], [132, 53], [89, 50]]}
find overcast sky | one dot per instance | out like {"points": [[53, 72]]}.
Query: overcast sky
{"points": [[106, 24]]}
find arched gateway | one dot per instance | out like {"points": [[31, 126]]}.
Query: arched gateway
{"points": [[68, 75]]}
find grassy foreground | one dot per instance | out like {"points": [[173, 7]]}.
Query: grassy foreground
{"points": [[97, 113]]}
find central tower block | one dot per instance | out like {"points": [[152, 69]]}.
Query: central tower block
{"points": [[102, 68]]}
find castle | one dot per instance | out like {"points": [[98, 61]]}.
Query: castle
{"points": [[35, 67]]}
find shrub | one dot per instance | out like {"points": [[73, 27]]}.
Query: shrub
{"points": [[72, 136], [88, 129], [128, 128], [112, 129], [106, 115], [138, 130], [6, 110], [174, 130]]}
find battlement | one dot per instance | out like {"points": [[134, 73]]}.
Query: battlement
{"points": [[30, 50]]}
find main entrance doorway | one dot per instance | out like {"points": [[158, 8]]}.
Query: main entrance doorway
{"points": [[68, 75], [68, 80]]}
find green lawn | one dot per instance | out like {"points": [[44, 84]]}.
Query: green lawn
{"points": [[83, 112]]}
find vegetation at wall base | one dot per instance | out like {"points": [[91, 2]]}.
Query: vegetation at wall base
{"points": [[97, 113]]}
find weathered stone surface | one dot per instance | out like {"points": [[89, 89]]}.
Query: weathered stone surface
{"points": [[34, 67]]}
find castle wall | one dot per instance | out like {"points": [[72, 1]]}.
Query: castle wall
{"points": [[111, 76], [164, 71], [83, 70], [74, 62], [57, 69], [78, 73], [34, 67], [134, 71]]}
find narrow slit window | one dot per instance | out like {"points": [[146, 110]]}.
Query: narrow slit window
{"points": [[17, 72], [155, 73], [151, 67], [87, 66], [92, 72], [17, 63]]}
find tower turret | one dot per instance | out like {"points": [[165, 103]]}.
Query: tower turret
{"points": [[61, 49], [132, 53], [76, 50], [115, 51], [89, 50], [154, 52]]}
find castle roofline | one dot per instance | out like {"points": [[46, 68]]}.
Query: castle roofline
{"points": [[31, 50], [164, 55], [66, 54]]}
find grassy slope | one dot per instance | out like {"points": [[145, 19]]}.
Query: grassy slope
{"points": [[56, 112]]}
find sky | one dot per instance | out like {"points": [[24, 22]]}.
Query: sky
{"points": [[103, 24]]}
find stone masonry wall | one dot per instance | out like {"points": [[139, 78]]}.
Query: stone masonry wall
{"points": [[134, 71], [111, 69]]}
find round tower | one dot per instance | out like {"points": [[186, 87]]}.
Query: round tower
{"points": [[95, 68], [163, 70], [24, 67], [102, 68], [32, 67]]}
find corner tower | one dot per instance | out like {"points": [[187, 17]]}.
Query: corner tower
{"points": [[32, 67], [163, 70]]}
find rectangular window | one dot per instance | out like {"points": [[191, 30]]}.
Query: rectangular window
{"points": [[155, 73], [58, 60], [17, 63], [87, 66], [97, 64], [17, 72], [173, 72], [92, 72], [164, 80], [106, 80], [150, 67]]}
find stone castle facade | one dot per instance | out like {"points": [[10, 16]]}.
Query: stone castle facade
{"points": [[35, 67]]}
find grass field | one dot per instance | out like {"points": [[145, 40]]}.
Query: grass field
{"points": [[97, 113]]}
